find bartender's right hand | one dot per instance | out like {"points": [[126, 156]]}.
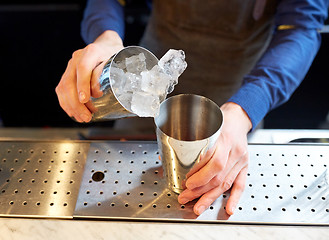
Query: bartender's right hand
{"points": [[80, 79]]}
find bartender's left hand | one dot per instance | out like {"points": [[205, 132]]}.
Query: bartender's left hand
{"points": [[224, 166]]}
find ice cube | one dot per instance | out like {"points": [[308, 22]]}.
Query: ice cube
{"points": [[125, 100], [144, 104], [133, 82], [136, 63], [173, 63], [155, 81], [117, 79], [119, 64]]}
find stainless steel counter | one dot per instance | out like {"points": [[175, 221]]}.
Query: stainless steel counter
{"points": [[16, 228]]}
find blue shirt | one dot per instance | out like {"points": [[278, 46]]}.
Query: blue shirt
{"points": [[279, 71]]}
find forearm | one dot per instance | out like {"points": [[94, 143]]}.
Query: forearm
{"points": [[287, 59], [100, 16], [278, 73]]}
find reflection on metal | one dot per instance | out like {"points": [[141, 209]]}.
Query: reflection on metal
{"points": [[40, 179], [187, 126], [108, 107], [286, 184]]}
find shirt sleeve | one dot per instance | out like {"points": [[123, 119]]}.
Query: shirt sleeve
{"points": [[286, 61], [102, 15]]}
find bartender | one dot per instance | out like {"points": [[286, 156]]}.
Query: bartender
{"points": [[247, 56]]}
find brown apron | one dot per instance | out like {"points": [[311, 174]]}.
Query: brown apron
{"points": [[222, 41]]}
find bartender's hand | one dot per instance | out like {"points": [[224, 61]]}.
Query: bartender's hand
{"points": [[222, 167], [80, 79]]}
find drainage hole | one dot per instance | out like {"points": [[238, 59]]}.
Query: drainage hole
{"points": [[128, 193], [140, 205], [65, 204], [240, 208], [155, 194], [211, 207], [129, 182], [309, 198], [98, 176], [11, 203], [99, 204], [126, 205], [51, 204], [142, 182], [141, 193], [24, 203], [283, 209], [169, 194], [154, 205], [182, 206], [269, 209], [38, 203], [323, 198], [85, 204], [112, 204], [114, 193], [155, 182], [298, 210], [312, 210], [254, 208], [168, 206]]}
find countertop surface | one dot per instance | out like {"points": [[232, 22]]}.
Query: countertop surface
{"points": [[27, 228]]}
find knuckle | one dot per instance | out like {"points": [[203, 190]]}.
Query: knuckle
{"points": [[91, 47], [76, 54], [218, 180], [218, 165], [227, 184], [241, 151]]}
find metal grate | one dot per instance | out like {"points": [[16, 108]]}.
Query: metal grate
{"points": [[286, 184], [40, 179]]}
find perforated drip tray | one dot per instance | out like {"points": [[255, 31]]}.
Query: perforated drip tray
{"points": [[39, 179], [286, 184]]}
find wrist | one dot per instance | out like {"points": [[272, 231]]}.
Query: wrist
{"points": [[235, 112]]}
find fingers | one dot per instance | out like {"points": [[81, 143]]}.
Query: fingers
{"points": [[236, 191], [203, 161], [88, 60], [211, 168], [68, 96], [95, 86], [217, 186]]}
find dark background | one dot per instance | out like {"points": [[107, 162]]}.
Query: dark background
{"points": [[37, 39]]}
